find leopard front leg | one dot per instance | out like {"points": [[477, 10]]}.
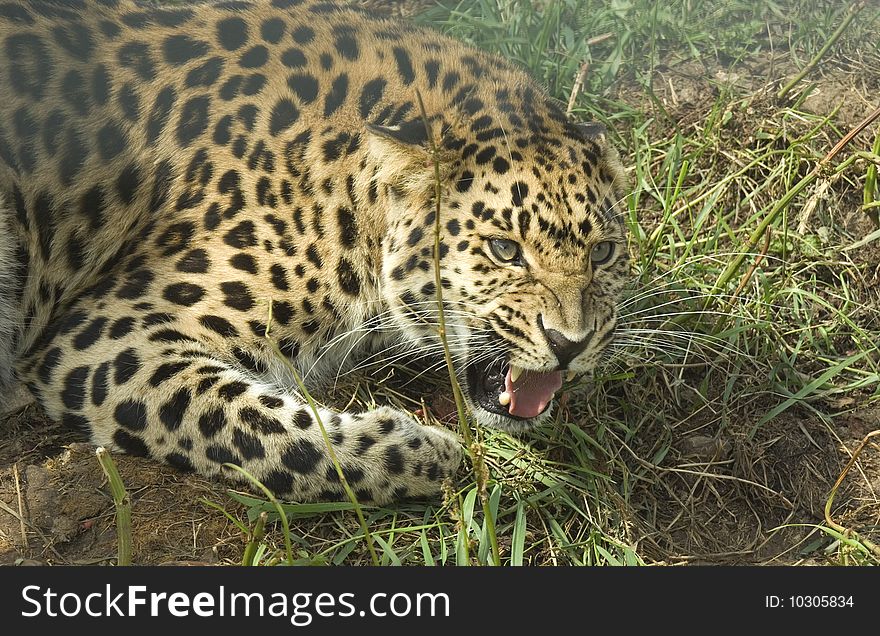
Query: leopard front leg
{"points": [[154, 386]]}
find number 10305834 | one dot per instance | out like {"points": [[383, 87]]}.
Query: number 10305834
{"points": [[809, 600]]}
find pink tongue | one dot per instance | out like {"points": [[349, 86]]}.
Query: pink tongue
{"points": [[532, 392]]}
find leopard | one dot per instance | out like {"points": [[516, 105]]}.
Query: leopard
{"points": [[209, 211]]}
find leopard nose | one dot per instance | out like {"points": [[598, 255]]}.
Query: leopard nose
{"points": [[564, 349]]}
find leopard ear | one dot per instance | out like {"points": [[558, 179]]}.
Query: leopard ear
{"points": [[402, 154], [592, 130], [409, 134], [608, 157]]}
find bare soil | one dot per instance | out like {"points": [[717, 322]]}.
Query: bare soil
{"points": [[55, 505]]}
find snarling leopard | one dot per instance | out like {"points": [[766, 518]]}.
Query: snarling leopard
{"points": [[202, 203]]}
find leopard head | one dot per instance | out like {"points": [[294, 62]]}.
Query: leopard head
{"points": [[532, 252]]}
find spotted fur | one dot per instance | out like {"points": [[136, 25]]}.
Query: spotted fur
{"points": [[185, 189]]}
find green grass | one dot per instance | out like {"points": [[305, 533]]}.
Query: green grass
{"points": [[716, 427]]}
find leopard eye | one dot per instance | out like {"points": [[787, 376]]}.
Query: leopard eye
{"points": [[602, 252], [504, 250]]}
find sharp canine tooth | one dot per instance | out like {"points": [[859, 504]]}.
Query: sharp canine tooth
{"points": [[570, 376], [515, 372], [504, 399]]}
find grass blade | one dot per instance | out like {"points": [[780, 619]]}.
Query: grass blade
{"points": [[518, 539]]}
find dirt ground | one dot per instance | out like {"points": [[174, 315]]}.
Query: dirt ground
{"points": [[55, 506]]}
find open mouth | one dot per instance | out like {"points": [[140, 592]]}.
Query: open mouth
{"points": [[510, 391]]}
